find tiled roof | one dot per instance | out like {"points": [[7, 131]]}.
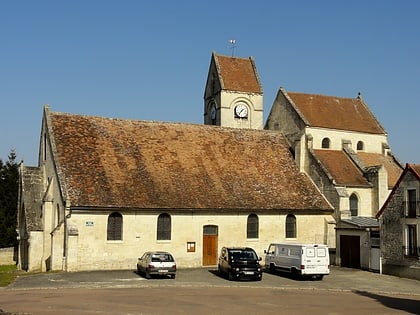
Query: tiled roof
{"points": [[362, 222], [416, 168], [336, 113], [393, 168], [238, 74], [138, 164], [341, 168]]}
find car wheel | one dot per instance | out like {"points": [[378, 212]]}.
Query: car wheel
{"points": [[172, 276], [147, 274], [138, 270], [272, 269], [230, 275]]}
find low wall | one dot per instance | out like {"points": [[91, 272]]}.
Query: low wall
{"points": [[6, 256]]}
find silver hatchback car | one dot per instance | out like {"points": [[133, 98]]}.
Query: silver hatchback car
{"points": [[157, 263]]}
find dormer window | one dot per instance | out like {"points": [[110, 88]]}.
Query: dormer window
{"points": [[325, 143], [360, 146]]}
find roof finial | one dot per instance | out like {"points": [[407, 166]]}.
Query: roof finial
{"points": [[232, 43], [359, 96]]}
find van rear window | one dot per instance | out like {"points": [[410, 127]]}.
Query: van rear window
{"points": [[321, 252], [310, 252]]}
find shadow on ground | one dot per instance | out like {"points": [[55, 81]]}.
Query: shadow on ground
{"points": [[403, 304]]}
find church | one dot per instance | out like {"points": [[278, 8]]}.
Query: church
{"points": [[106, 190]]}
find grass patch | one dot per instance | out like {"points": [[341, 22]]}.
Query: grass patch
{"points": [[8, 274]]}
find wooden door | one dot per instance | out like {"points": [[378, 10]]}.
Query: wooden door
{"points": [[209, 245], [350, 251]]}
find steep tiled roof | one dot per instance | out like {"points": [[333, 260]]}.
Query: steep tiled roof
{"points": [[341, 168], [336, 113], [393, 168], [153, 165], [416, 168], [238, 74]]}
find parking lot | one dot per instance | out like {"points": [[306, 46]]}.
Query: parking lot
{"points": [[340, 279], [202, 290]]}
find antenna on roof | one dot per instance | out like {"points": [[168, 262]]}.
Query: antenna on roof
{"points": [[232, 43]]}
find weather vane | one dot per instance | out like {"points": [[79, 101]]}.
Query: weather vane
{"points": [[232, 43]]}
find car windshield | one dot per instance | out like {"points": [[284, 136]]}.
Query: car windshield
{"points": [[162, 257], [243, 254]]}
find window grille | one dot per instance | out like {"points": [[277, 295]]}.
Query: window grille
{"points": [[114, 228]]}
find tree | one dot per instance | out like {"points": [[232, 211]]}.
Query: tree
{"points": [[9, 187]]}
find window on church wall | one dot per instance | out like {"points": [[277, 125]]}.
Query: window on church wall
{"points": [[325, 143], [164, 227], [360, 146], [291, 226], [354, 205], [114, 227], [252, 226]]}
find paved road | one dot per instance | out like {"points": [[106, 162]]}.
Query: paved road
{"points": [[344, 291]]}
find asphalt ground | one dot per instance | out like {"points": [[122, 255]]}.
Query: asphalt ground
{"points": [[339, 279], [202, 290]]}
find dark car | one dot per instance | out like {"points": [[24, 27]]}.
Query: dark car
{"points": [[240, 263], [157, 263]]}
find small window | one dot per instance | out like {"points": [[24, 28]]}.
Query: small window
{"points": [[252, 226], [411, 240], [114, 228], [290, 226], [164, 227], [360, 146], [354, 205], [411, 203], [326, 143]]}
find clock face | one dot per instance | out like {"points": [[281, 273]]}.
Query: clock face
{"points": [[213, 112], [241, 110]]}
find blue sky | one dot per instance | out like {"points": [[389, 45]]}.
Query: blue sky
{"points": [[148, 60]]}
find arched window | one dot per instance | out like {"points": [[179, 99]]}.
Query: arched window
{"points": [[164, 227], [354, 205], [326, 143], [114, 228], [360, 146], [252, 226], [290, 226]]}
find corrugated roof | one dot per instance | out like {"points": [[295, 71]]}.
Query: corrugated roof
{"points": [[238, 74], [393, 168], [341, 168], [139, 164], [336, 113]]}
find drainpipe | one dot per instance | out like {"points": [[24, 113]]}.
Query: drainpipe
{"points": [[66, 235]]}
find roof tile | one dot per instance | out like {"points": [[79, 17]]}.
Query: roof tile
{"points": [[336, 113], [139, 164], [238, 74]]}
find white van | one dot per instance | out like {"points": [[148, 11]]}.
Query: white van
{"points": [[312, 260]]}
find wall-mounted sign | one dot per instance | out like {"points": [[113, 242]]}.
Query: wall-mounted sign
{"points": [[89, 223], [190, 247]]}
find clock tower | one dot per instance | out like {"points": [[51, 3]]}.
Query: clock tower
{"points": [[233, 96]]}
